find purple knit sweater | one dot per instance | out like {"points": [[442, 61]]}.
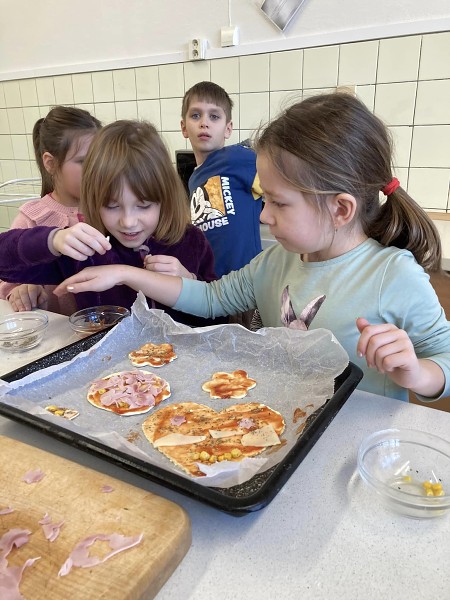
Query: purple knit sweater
{"points": [[45, 211], [26, 258]]}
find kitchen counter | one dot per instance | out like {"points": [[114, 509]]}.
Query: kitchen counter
{"points": [[325, 536], [58, 334]]}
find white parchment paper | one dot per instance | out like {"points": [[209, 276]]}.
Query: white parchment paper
{"points": [[294, 370]]}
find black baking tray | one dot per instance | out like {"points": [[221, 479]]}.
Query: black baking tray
{"points": [[238, 500]]}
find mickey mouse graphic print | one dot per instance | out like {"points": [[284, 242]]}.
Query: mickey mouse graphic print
{"points": [[226, 205]]}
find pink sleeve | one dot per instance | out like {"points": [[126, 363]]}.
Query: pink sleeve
{"points": [[20, 221]]}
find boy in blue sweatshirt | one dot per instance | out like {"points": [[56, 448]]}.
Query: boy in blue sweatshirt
{"points": [[224, 189]]}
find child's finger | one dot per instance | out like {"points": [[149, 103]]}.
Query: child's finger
{"points": [[74, 284], [361, 324]]}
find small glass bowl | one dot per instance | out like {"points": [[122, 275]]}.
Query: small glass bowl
{"points": [[96, 318], [409, 469], [22, 330]]}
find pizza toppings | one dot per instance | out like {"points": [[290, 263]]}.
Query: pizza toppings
{"points": [[10, 577], [33, 476], [51, 530], [246, 423], [80, 557], [264, 436], [229, 385], [207, 436], [60, 411], [128, 392], [217, 435], [6, 511], [107, 489], [178, 439], [155, 355]]}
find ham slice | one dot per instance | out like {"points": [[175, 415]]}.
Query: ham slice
{"points": [[33, 476], [10, 577], [79, 557], [51, 530]]}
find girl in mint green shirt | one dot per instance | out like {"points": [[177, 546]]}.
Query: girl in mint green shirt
{"points": [[347, 260]]}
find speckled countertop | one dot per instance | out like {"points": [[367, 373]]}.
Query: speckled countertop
{"points": [[325, 536]]}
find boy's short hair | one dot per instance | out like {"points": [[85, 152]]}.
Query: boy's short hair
{"points": [[207, 91]]}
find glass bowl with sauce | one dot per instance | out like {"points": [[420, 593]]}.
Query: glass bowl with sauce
{"points": [[96, 318]]}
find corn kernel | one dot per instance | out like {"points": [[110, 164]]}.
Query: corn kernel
{"points": [[212, 459], [221, 458], [436, 487], [52, 407], [195, 456], [204, 455], [235, 453], [102, 391], [439, 493], [427, 485], [227, 456], [429, 492]]}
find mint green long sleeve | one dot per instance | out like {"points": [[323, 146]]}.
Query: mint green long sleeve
{"points": [[371, 281]]}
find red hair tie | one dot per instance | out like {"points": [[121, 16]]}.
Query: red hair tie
{"points": [[391, 187]]}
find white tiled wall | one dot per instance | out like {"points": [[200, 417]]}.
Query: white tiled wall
{"points": [[406, 81]]}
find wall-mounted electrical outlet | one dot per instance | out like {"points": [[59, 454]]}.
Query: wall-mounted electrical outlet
{"points": [[229, 36], [197, 48]]}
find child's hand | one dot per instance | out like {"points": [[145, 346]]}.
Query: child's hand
{"points": [[91, 279], [79, 241], [389, 350], [28, 296], [168, 265]]}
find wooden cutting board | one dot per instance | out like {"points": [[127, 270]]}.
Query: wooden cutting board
{"points": [[74, 494]]}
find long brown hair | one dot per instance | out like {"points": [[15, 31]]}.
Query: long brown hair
{"points": [[56, 133], [133, 151], [332, 144]]}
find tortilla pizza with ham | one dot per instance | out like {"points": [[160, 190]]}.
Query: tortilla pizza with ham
{"points": [[190, 434], [128, 392]]}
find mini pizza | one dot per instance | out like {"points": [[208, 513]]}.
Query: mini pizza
{"points": [[229, 385], [155, 355], [190, 434], [128, 392], [61, 411]]}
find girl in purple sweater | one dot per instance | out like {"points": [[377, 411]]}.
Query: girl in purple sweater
{"points": [[135, 208], [61, 141]]}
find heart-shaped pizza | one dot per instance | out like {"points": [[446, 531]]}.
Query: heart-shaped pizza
{"points": [[128, 392], [229, 385], [190, 434], [155, 355]]}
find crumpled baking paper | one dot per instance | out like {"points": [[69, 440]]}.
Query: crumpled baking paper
{"points": [[294, 370]]}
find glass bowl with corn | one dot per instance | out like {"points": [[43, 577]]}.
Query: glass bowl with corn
{"points": [[409, 469]]}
